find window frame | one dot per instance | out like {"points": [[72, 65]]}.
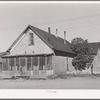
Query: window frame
{"points": [[41, 63], [31, 39], [49, 63], [17, 63], [29, 62], [5, 65], [21, 63]]}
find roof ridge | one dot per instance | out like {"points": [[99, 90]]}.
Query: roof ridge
{"points": [[48, 33], [56, 42]]}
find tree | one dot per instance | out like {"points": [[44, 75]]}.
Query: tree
{"points": [[83, 51]]}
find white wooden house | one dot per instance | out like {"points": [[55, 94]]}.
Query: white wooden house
{"points": [[36, 53]]}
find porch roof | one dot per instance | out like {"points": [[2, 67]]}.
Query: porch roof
{"points": [[23, 55]]}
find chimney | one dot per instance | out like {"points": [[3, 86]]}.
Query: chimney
{"points": [[56, 32], [49, 30], [64, 37]]}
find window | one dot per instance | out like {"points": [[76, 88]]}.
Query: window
{"points": [[28, 63], [49, 63], [5, 65], [17, 63], [41, 63], [11, 62], [22, 62], [34, 61], [31, 39]]}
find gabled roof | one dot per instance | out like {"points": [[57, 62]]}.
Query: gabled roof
{"points": [[56, 43], [95, 46], [51, 40]]}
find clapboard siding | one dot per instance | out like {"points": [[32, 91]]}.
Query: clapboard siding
{"points": [[23, 46]]}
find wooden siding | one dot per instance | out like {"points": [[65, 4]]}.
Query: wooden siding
{"points": [[70, 67], [60, 64], [23, 46]]}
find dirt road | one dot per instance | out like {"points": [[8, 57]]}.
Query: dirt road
{"points": [[78, 82]]}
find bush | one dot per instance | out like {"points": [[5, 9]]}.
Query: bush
{"points": [[62, 76], [55, 76], [83, 53], [13, 77]]}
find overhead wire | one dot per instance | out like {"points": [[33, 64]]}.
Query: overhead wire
{"points": [[51, 22]]}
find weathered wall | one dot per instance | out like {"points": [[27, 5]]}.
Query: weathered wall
{"points": [[96, 63], [70, 67], [23, 46], [60, 64]]}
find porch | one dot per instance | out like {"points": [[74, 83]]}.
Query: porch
{"points": [[38, 66]]}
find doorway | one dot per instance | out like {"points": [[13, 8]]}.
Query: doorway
{"points": [[22, 68]]}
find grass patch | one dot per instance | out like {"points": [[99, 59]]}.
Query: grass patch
{"points": [[73, 76]]}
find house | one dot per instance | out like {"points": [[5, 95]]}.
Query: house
{"points": [[37, 53], [1, 60], [95, 46], [96, 52]]}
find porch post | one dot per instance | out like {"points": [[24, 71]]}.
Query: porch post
{"points": [[19, 64], [45, 65], [15, 64], [26, 62], [26, 65], [8, 64], [31, 64], [2, 65], [38, 65]]}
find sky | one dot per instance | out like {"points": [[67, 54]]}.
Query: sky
{"points": [[77, 19]]}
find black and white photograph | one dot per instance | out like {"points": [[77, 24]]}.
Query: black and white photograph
{"points": [[49, 46]]}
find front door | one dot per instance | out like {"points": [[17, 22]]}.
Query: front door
{"points": [[38, 67], [42, 67], [35, 67], [22, 68], [32, 66]]}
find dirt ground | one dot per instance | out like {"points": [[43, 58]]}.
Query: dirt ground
{"points": [[83, 81]]}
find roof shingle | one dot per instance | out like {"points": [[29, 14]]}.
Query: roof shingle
{"points": [[51, 40], [56, 43]]}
